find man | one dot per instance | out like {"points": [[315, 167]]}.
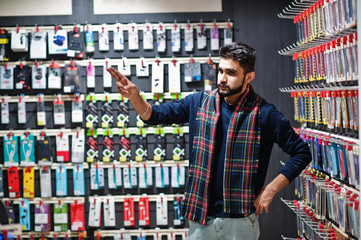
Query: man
{"points": [[231, 134]]}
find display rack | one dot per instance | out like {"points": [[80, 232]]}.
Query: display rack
{"points": [[116, 61], [172, 232], [100, 59], [37, 132], [313, 88], [310, 223], [51, 200], [296, 10], [113, 27]]}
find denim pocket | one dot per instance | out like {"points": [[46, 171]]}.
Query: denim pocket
{"points": [[252, 218]]}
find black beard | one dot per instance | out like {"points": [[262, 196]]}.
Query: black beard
{"points": [[230, 91]]}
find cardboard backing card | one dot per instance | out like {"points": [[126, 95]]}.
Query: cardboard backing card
{"points": [[13, 182], [76, 44], [22, 77], [4, 46], [72, 76], [19, 40], [6, 77], [57, 42], [38, 77], [38, 45]]}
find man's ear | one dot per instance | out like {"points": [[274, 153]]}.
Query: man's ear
{"points": [[250, 76]]}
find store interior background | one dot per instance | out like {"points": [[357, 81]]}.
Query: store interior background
{"points": [[255, 23]]}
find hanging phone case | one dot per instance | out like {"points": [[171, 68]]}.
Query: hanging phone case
{"points": [[201, 36], [91, 112], [92, 151], [108, 148], [43, 152], [128, 208], [78, 180], [143, 210], [148, 37], [109, 213], [13, 182], [157, 77], [124, 143], [77, 216], [61, 181], [123, 113], [62, 147], [118, 37], [94, 219], [28, 182], [141, 151], [161, 38], [11, 153], [38, 76], [90, 75], [42, 217], [89, 39], [60, 217], [159, 152], [107, 114], [114, 177], [45, 182], [162, 210], [24, 215], [27, 150], [178, 151], [6, 77], [78, 145]]}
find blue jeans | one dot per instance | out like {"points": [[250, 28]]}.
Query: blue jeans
{"points": [[246, 228]]}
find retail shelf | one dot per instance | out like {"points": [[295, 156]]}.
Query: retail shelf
{"points": [[113, 27], [46, 98], [296, 7], [148, 95], [133, 130], [37, 132], [13, 229], [53, 235], [314, 88], [298, 46], [151, 163], [51, 200], [117, 61], [98, 96], [288, 238], [326, 176], [289, 203], [334, 135], [144, 232], [52, 166], [152, 198]]}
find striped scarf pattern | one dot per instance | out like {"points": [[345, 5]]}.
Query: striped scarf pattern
{"points": [[241, 160]]}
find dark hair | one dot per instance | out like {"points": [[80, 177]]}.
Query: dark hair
{"points": [[240, 52]]}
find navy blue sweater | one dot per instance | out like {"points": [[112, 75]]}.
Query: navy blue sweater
{"points": [[275, 128]]}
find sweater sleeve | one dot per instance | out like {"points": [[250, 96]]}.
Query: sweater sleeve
{"points": [[290, 142], [177, 112]]}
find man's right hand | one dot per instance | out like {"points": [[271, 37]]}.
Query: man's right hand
{"points": [[125, 86]]}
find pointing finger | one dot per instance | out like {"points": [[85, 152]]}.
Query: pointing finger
{"points": [[117, 75]]}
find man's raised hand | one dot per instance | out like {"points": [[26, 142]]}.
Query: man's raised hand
{"points": [[125, 86]]}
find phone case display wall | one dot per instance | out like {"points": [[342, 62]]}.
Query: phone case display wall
{"points": [[326, 104], [77, 161]]}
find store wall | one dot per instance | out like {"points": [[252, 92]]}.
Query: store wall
{"points": [[255, 23]]}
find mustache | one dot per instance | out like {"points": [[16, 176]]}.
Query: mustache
{"points": [[222, 85]]}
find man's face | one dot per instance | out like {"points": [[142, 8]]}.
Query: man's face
{"points": [[230, 77]]}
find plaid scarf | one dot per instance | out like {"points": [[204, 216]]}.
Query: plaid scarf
{"points": [[241, 160]]}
